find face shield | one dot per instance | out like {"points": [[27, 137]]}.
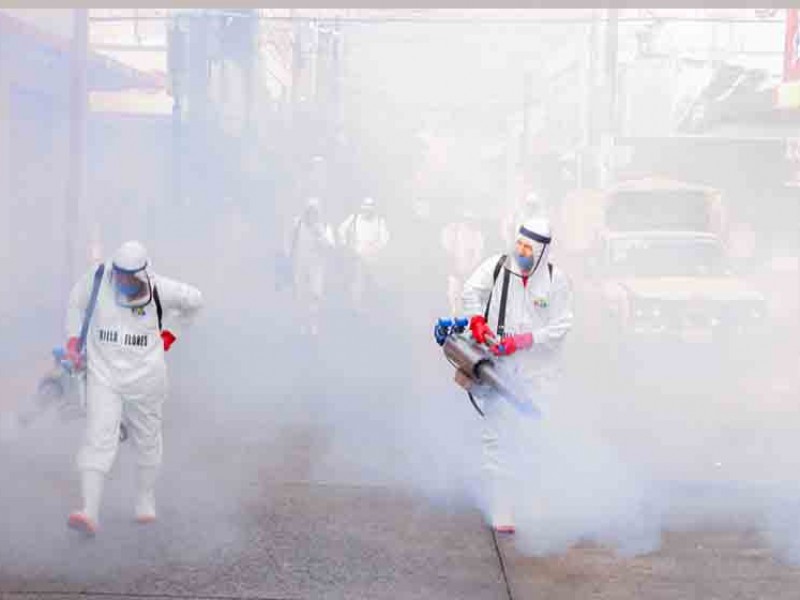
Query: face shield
{"points": [[131, 288], [129, 276], [530, 246]]}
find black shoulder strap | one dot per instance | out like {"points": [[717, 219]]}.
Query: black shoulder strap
{"points": [[497, 268], [159, 311], [87, 315], [501, 318]]}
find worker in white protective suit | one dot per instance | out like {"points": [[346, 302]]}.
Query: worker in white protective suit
{"points": [[308, 246], [463, 243], [365, 235], [537, 314], [126, 374]]}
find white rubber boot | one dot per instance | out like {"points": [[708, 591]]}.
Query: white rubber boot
{"points": [[145, 494], [497, 488], [86, 520], [500, 509]]}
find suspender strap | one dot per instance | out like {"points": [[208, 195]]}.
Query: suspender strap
{"points": [[501, 318], [87, 315], [501, 321], [159, 311]]}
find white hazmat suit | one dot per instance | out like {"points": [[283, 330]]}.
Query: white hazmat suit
{"points": [[365, 235], [309, 245], [539, 304], [126, 375]]}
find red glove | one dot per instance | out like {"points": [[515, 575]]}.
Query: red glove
{"points": [[512, 343], [73, 352], [168, 339], [479, 329]]}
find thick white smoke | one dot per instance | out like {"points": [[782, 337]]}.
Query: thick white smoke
{"points": [[256, 404]]}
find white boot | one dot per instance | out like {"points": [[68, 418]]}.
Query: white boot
{"points": [[145, 494], [497, 484], [86, 520], [501, 517]]}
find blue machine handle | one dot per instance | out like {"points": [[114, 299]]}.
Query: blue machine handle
{"points": [[446, 326], [61, 358], [442, 329], [461, 324]]}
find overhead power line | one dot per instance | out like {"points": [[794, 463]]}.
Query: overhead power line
{"points": [[377, 20]]}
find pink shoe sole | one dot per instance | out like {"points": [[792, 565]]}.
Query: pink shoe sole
{"points": [[81, 523], [505, 529], [145, 519]]}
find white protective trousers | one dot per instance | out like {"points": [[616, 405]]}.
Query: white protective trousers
{"points": [[501, 442], [141, 411]]}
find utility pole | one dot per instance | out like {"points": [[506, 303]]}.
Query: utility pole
{"points": [[586, 167], [177, 61], [609, 125], [525, 139], [78, 101], [5, 117], [298, 61], [249, 60], [177, 149], [611, 52]]}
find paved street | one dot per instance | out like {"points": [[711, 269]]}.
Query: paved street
{"points": [[251, 530]]}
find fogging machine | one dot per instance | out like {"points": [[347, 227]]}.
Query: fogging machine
{"points": [[476, 365]]}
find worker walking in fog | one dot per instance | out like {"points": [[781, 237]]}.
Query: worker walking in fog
{"points": [[364, 236], [308, 247], [520, 304], [115, 332]]}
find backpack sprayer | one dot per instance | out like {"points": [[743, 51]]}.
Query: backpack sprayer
{"points": [[62, 387], [475, 365]]}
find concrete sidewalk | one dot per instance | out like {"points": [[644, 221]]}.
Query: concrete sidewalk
{"points": [[700, 565]]}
